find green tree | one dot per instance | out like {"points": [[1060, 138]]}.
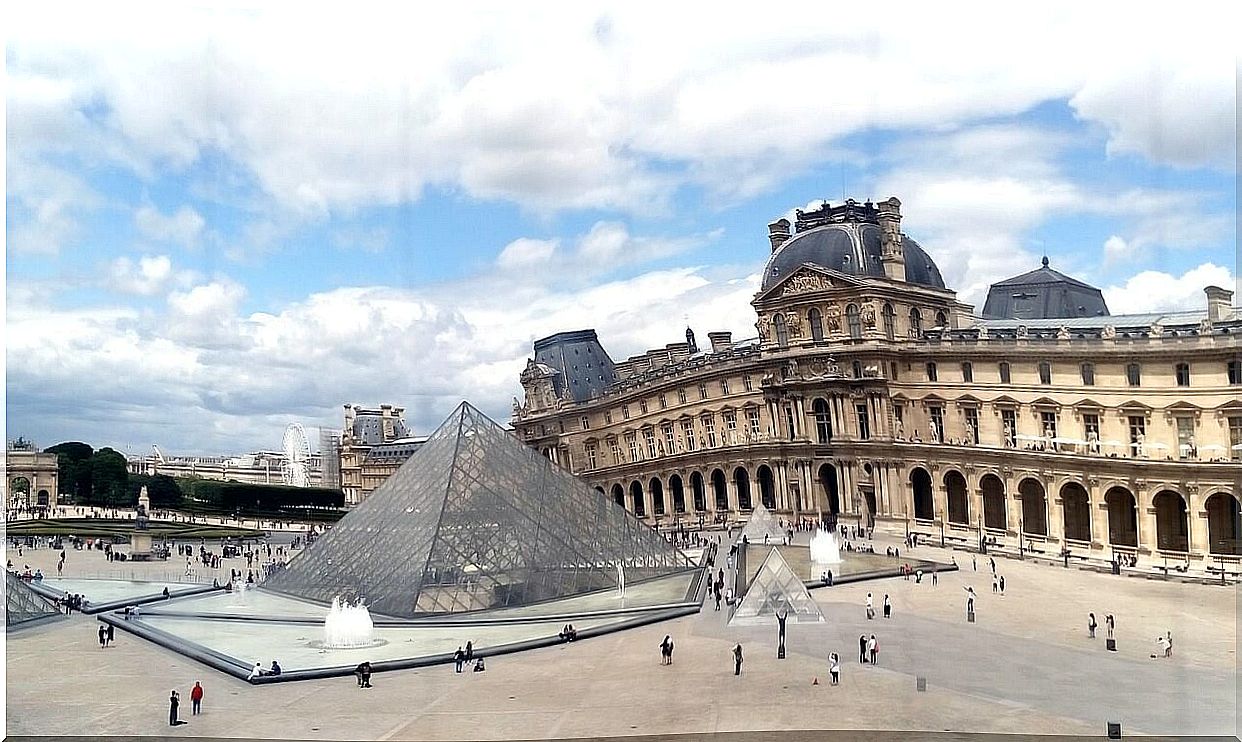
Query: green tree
{"points": [[73, 462], [109, 477]]}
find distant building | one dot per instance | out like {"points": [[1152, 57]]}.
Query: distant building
{"points": [[375, 442], [260, 467], [31, 476]]}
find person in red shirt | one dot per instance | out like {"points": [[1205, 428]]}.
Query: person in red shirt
{"points": [[196, 698]]}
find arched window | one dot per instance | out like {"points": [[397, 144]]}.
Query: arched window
{"points": [[817, 324], [782, 332], [916, 322], [890, 321], [853, 321], [941, 320]]}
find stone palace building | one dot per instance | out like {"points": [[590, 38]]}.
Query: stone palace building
{"points": [[870, 393]]}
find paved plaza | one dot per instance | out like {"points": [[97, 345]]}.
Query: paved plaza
{"points": [[1026, 666]]}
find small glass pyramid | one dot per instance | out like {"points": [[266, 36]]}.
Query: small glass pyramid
{"points": [[776, 589], [762, 523], [21, 604], [476, 520]]}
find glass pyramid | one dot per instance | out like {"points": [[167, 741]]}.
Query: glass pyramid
{"points": [[776, 589], [21, 604], [476, 520], [762, 523]]}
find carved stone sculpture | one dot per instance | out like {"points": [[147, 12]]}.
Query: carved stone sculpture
{"points": [[1109, 332]]}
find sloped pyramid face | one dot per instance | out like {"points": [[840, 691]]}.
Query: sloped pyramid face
{"points": [[21, 604], [476, 520], [762, 523], [776, 589]]}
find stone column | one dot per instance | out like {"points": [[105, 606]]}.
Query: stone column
{"points": [[940, 499], [1146, 521], [1056, 514], [846, 493], [1196, 522], [731, 489], [1099, 515], [1013, 507]]}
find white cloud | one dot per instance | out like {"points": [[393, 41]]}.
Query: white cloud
{"points": [[525, 251], [1116, 249], [182, 227], [149, 275], [45, 206], [1155, 291]]}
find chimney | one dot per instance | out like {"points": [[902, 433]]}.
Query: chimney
{"points": [[1219, 303], [891, 254], [778, 232], [721, 341]]}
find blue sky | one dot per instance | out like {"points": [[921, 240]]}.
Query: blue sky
{"points": [[219, 222]]}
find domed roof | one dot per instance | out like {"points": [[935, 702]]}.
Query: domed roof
{"points": [[849, 247]]}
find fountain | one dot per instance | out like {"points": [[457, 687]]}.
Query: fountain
{"points": [[348, 626], [824, 548], [620, 581]]}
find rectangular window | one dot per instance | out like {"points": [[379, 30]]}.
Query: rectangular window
{"points": [[724, 387], [747, 383], [899, 412], [702, 391], [931, 372], [1045, 372], [591, 457], [625, 411], [892, 370], [1133, 374], [709, 429], [663, 401], [1009, 427], [608, 417], [670, 442], [972, 424], [687, 431], [642, 406], [649, 439], [1088, 374], [1235, 372], [1182, 372], [936, 413], [681, 396], [1091, 427], [752, 415], [1004, 372], [730, 421], [1138, 433], [864, 429], [631, 440], [1185, 437], [614, 448], [789, 420], [968, 372], [586, 423], [1235, 438], [1048, 422]]}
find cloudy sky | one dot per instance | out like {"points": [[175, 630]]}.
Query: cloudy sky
{"points": [[223, 220]]}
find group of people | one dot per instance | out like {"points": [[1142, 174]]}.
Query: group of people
{"points": [[568, 633], [888, 607], [174, 703], [465, 656], [259, 671], [107, 634], [868, 649]]}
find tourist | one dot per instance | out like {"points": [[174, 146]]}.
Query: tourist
{"points": [[166, 595], [256, 671], [111, 633], [666, 650], [970, 600], [870, 608], [918, 577], [103, 636], [993, 562], [888, 607], [995, 583], [974, 567], [717, 593], [737, 659], [478, 667], [173, 702], [469, 652], [1162, 647], [1002, 584], [275, 668], [196, 698], [862, 648], [935, 576], [459, 657], [1091, 624], [1168, 644], [834, 667], [873, 648], [363, 671]]}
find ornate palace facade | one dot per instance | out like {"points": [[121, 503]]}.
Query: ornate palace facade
{"points": [[871, 392]]}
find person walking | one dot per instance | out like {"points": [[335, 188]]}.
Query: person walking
{"points": [[111, 633], [995, 583], [862, 649], [364, 670], [888, 607], [173, 702], [1002, 584], [1091, 624], [973, 566], [737, 659], [992, 560], [469, 654], [459, 658], [103, 636], [870, 607], [717, 591], [970, 600], [1109, 624], [873, 649], [834, 667], [196, 698]]}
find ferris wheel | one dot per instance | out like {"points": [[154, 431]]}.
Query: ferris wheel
{"points": [[297, 456]]}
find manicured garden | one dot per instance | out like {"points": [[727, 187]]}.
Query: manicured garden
{"points": [[111, 527]]}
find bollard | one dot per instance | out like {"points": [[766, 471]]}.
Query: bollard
{"points": [[920, 684], [1114, 730]]}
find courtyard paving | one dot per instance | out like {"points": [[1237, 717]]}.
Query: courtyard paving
{"points": [[1025, 666]]}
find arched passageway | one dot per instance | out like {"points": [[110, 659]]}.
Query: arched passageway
{"points": [[994, 514], [1076, 512], [828, 482], [741, 481], [719, 490], [1034, 507], [1224, 524], [1172, 524], [767, 487], [657, 496], [637, 505], [678, 491], [959, 507], [618, 494], [921, 488], [1122, 517], [698, 493]]}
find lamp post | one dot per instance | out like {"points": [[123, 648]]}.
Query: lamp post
{"points": [[1021, 545]]}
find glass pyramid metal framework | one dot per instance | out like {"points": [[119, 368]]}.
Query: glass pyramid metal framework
{"points": [[762, 523], [21, 604], [476, 520], [774, 589]]}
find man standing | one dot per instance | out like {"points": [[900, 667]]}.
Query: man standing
{"points": [[111, 633], [737, 659], [780, 637], [873, 648], [1002, 584], [173, 701], [888, 607], [103, 636], [1109, 624], [1091, 624], [862, 648], [196, 698]]}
